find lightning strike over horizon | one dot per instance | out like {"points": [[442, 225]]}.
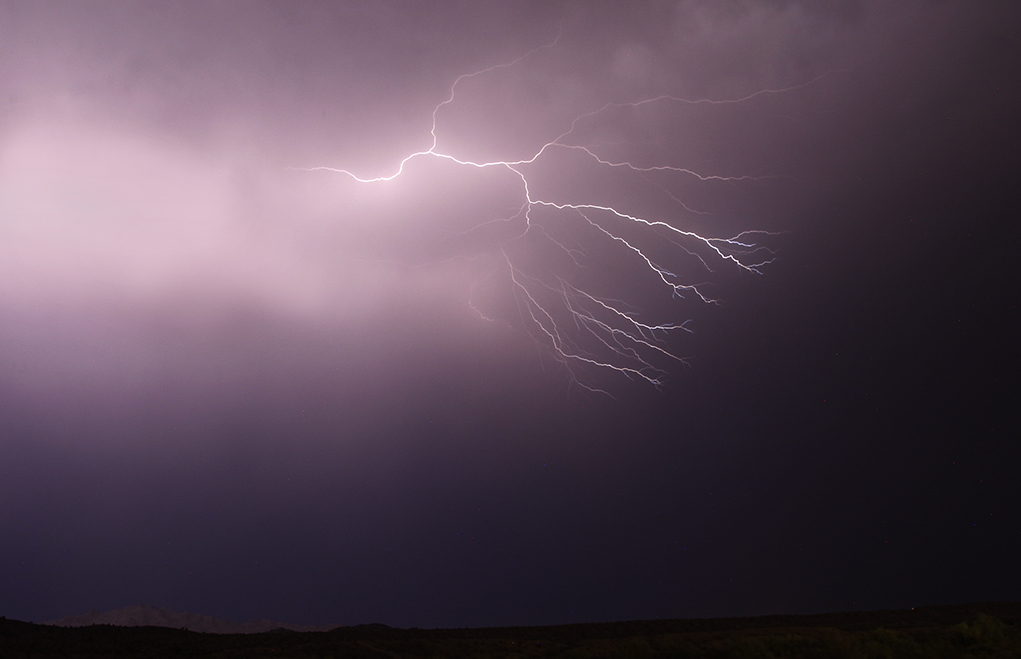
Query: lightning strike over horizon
{"points": [[487, 315], [582, 324]]}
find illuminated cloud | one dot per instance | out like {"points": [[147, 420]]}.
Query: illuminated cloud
{"points": [[527, 176]]}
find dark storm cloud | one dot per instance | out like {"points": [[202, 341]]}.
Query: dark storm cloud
{"points": [[235, 387]]}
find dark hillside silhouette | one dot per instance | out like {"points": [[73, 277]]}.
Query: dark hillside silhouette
{"points": [[975, 630]]}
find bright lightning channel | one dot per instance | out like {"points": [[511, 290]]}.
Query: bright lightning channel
{"points": [[560, 313]]}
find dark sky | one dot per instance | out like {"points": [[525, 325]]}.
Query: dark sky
{"points": [[237, 385]]}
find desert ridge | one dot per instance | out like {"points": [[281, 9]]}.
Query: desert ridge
{"points": [[963, 631], [143, 615]]}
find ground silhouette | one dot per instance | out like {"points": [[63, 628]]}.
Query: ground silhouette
{"points": [[959, 631]]}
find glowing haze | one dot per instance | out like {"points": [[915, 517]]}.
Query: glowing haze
{"points": [[149, 167]]}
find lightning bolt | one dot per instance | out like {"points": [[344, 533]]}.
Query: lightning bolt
{"points": [[579, 327]]}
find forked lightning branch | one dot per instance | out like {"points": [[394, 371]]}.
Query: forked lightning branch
{"points": [[582, 328]]}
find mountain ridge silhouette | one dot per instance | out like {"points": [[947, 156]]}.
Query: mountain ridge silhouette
{"points": [[145, 615]]}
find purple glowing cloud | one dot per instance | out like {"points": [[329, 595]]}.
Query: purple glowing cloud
{"points": [[523, 192]]}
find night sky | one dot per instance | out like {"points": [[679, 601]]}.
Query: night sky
{"points": [[235, 383]]}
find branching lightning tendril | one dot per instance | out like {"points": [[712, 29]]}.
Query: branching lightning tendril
{"points": [[577, 325]]}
